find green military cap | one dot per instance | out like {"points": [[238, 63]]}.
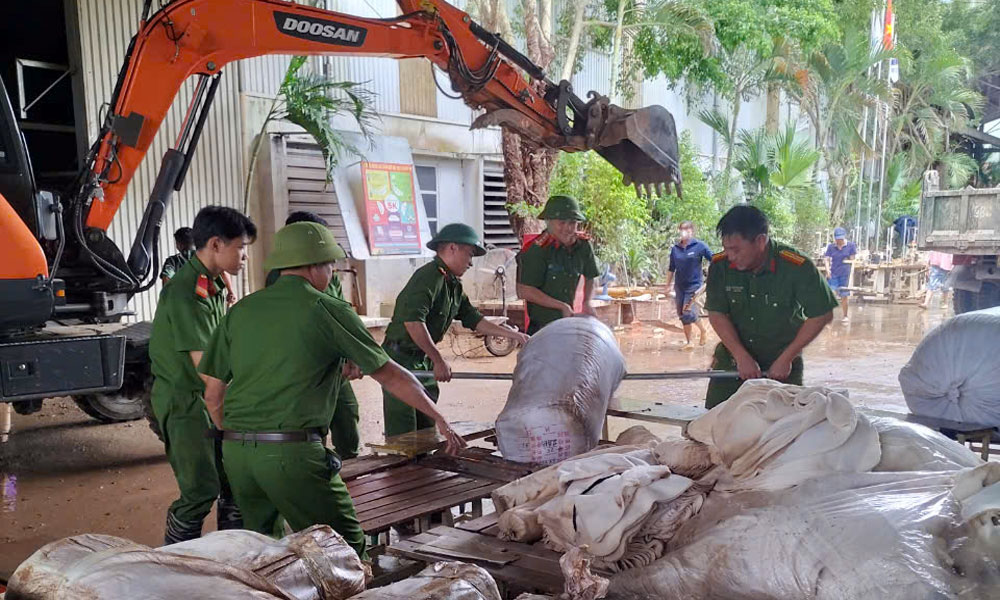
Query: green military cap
{"points": [[458, 233], [301, 244], [562, 207]]}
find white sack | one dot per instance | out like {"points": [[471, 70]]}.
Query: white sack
{"points": [[771, 436], [45, 571], [303, 564], [563, 382], [859, 536], [544, 484], [954, 372], [311, 564], [912, 447], [440, 581], [149, 574]]}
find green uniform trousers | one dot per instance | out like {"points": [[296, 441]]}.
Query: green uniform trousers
{"points": [[719, 390], [197, 466], [345, 432], [291, 481], [399, 416]]}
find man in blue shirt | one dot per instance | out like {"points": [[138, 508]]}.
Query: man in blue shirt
{"points": [[837, 256], [685, 273]]}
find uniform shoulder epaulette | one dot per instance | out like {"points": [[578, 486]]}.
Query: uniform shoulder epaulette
{"points": [[792, 257], [718, 256], [542, 240]]}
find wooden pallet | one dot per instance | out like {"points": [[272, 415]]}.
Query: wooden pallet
{"points": [[394, 490], [517, 566]]}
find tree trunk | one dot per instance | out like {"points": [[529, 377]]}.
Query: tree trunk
{"points": [[574, 40], [616, 48], [527, 166], [773, 111], [728, 173]]}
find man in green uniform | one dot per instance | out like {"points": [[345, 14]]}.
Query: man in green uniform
{"points": [[424, 311], [345, 431], [280, 350], [191, 305], [550, 266], [184, 242], [765, 301]]}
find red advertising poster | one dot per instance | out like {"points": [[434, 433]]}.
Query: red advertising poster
{"points": [[390, 203]]}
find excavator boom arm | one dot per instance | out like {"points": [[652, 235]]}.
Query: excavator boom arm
{"points": [[189, 37]]}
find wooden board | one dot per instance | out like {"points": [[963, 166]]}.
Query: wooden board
{"points": [[667, 414], [366, 465], [534, 567], [423, 441], [404, 493]]}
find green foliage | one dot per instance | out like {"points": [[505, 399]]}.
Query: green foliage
{"points": [[698, 205], [974, 27], [310, 101], [754, 25], [632, 233], [616, 216]]}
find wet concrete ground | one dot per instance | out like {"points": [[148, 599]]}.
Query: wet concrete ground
{"points": [[63, 473]]}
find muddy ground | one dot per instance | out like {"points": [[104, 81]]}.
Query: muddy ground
{"points": [[62, 473]]}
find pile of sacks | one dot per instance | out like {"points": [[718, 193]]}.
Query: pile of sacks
{"points": [[781, 492], [313, 564]]}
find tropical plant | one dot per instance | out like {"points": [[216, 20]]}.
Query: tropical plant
{"points": [[932, 100], [310, 100], [834, 89]]}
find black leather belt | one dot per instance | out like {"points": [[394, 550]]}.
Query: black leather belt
{"points": [[272, 437]]}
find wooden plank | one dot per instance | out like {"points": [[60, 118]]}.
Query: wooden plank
{"points": [[402, 515], [536, 551], [479, 524], [478, 467], [473, 550], [391, 478], [659, 413], [411, 488], [415, 499], [423, 441], [528, 571], [369, 464]]}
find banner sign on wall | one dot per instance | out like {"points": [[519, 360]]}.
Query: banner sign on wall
{"points": [[391, 206]]}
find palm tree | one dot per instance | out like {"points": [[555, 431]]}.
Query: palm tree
{"points": [[833, 88], [931, 100], [310, 100]]}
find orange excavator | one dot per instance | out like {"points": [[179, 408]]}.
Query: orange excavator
{"points": [[62, 279]]}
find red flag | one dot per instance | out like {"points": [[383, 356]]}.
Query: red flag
{"points": [[890, 23]]}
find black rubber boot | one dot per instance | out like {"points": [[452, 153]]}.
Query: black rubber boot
{"points": [[180, 531], [228, 514]]}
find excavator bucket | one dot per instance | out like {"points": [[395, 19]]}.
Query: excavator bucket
{"points": [[642, 144]]}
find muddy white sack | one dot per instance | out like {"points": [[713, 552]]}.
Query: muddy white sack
{"points": [[563, 382]]}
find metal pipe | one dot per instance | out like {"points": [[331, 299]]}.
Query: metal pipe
{"points": [[714, 374]]}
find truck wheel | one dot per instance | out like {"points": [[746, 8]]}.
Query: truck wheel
{"points": [[965, 301], [110, 408], [127, 404]]}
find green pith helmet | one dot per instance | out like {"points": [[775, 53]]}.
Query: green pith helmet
{"points": [[301, 244], [562, 207], [458, 233]]}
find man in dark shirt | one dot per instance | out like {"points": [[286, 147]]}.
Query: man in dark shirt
{"points": [[838, 256], [184, 242], [686, 257]]}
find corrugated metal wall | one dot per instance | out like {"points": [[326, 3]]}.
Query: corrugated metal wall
{"points": [[215, 177]]}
